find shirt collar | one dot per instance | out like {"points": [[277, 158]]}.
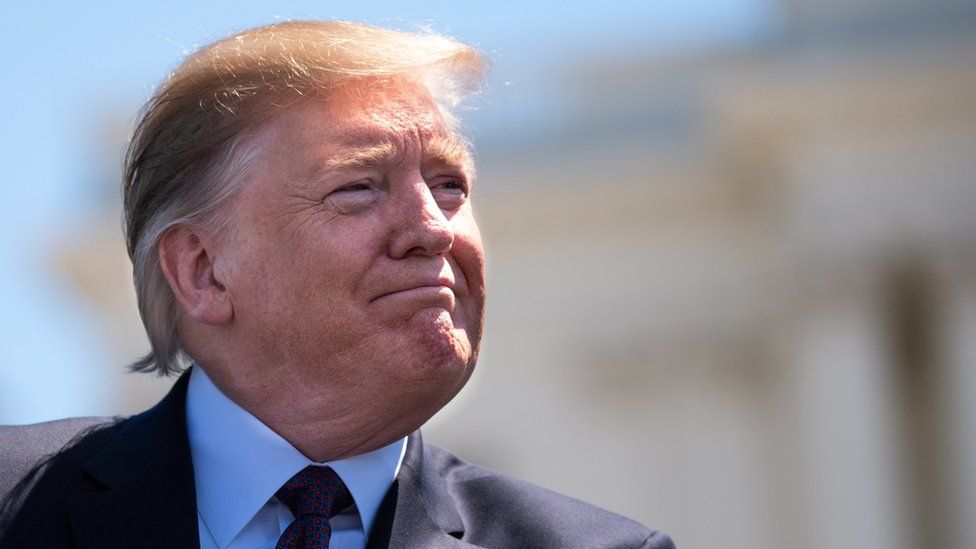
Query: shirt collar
{"points": [[228, 444]]}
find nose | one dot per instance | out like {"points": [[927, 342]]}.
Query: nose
{"points": [[420, 226]]}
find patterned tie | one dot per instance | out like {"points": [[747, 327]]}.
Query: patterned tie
{"points": [[314, 495]]}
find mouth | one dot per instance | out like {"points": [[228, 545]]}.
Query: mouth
{"points": [[431, 295]]}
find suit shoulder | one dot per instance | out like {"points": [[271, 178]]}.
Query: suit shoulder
{"points": [[533, 516], [48, 472], [26, 446]]}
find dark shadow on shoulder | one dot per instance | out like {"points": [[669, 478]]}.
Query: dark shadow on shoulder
{"points": [[75, 450]]}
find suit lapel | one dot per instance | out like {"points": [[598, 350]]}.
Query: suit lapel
{"points": [[149, 498], [418, 511]]}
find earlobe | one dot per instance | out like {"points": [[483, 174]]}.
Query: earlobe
{"points": [[187, 261]]}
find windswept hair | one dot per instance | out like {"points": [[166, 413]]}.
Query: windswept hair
{"points": [[189, 148]]}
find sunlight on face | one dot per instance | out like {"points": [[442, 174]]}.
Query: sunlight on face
{"points": [[355, 262]]}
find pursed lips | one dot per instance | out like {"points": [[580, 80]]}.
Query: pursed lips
{"points": [[419, 286]]}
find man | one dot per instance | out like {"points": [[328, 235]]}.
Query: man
{"points": [[298, 215]]}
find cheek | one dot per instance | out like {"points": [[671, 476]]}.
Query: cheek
{"points": [[469, 254], [323, 273]]}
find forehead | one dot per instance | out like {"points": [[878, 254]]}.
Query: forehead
{"points": [[361, 114]]}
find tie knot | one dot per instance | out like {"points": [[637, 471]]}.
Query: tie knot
{"points": [[315, 491]]}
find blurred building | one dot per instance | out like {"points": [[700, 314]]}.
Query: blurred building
{"points": [[733, 294]]}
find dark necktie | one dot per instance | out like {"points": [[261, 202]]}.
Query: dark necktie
{"points": [[314, 495]]}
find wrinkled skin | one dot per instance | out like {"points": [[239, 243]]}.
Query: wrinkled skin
{"points": [[355, 271]]}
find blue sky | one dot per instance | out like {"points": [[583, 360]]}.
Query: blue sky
{"points": [[68, 63]]}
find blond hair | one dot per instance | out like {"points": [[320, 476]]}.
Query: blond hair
{"points": [[189, 150]]}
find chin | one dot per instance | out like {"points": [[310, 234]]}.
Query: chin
{"points": [[437, 341], [434, 359]]}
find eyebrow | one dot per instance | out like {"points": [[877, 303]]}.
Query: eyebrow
{"points": [[449, 150], [370, 156]]}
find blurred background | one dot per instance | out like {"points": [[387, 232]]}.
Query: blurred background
{"points": [[732, 249]]}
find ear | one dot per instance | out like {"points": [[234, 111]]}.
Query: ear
{"points": [[187, 260]]}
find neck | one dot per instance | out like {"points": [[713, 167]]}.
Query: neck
{"points": [[320, 424]]}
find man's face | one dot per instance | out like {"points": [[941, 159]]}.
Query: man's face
{"points": [[353, 262]]}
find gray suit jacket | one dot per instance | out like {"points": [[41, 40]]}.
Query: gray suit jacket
{"points": [[129, 483]]}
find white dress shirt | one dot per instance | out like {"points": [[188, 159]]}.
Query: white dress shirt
{"points": [[239, 463]]}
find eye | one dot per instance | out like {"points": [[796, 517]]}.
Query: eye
{"points": [[352, 197], [357, 186], [450, 192], [450, 184], [453, 184]]}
